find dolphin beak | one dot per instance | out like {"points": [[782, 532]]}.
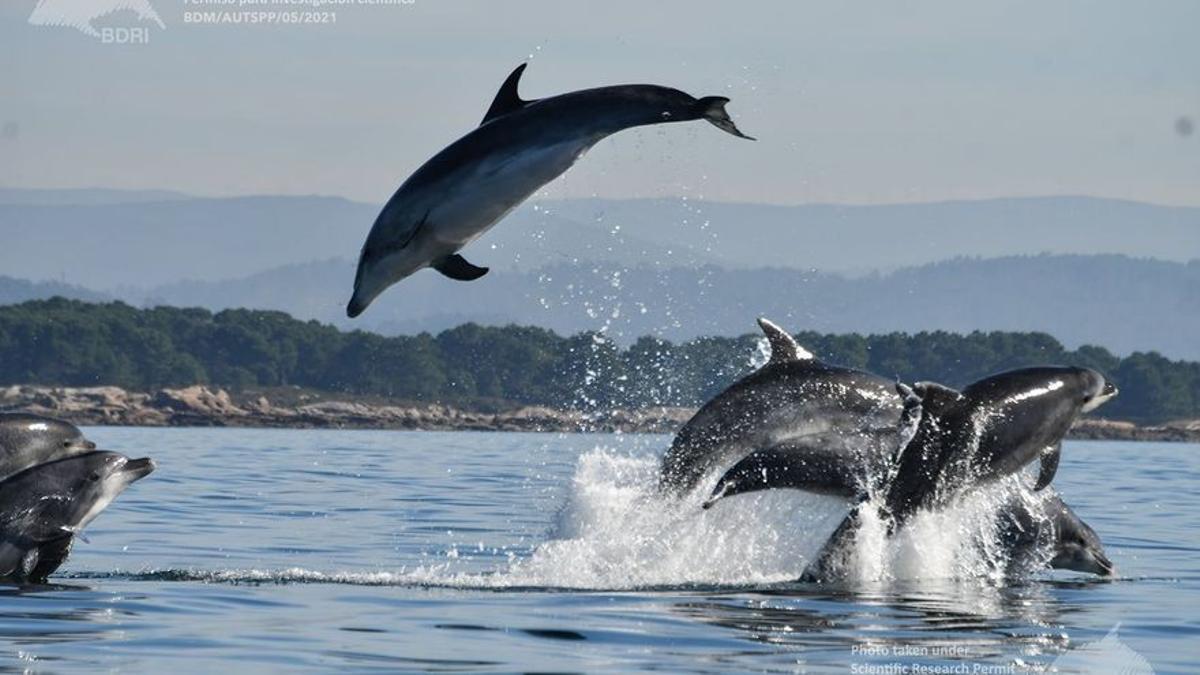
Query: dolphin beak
{"points": [[139, 468], [1107, 392], [1104, 566]]}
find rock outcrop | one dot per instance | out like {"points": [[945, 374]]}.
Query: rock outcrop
{"points": [[201, 406]]}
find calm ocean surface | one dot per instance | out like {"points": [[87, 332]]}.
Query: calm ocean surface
{"points": [[280, 550]]}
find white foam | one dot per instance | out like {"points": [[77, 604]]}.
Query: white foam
{"points": [[956, 542], [618, 532]]}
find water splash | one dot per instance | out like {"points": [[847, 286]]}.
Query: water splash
{"points": [[616, 531]]}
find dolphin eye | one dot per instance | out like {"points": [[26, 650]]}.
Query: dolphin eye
{"points": [[95, 476]]}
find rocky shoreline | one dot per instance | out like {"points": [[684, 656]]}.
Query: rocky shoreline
{"points": [[204, 407]]}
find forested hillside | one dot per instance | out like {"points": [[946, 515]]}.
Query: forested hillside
{"points": [[73, 343]]}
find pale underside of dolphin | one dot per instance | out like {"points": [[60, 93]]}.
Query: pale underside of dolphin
{"points": [[474, 182]]}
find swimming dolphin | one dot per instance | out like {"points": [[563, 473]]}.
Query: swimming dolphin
{"points": [[44, 507], [474, 182], [791, 397], [28, 440], [1073, 544], [991, 429]]}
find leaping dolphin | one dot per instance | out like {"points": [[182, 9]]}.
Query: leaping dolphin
{"points": [[475, 181], [43, 507], [794, 397], [992, 428]]}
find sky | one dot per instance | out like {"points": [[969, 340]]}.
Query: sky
{"points": [[858, 103]]}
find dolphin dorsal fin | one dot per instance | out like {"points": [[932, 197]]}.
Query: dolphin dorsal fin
{"points": [[783, 346], [507, 100]]}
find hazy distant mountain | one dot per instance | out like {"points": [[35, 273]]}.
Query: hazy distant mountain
{"points": [[13, 291], [143, 244], [103, 240], [861, 238], [1121, 303], [85, 196]]}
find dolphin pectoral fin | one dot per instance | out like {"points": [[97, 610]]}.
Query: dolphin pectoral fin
{"points": [[11, 557], [1050, 457], [456, 267], [712, 108], [507, 100]]}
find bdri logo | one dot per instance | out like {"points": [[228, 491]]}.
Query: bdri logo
{"points": [[1109, 655], [80, 14]]}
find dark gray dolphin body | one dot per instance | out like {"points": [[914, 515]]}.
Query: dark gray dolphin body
{"points": [[43, 507], [853, 464], [28, 440], [993, 428], [791, 398], [477, 180]]}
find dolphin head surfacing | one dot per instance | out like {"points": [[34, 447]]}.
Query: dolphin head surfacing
{"points": [[1045, 531], [29, 440], [1078, 548], [44, 506]]}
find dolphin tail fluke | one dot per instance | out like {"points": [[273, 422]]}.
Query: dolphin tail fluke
{"points": [[712, 108], [456, 267]]}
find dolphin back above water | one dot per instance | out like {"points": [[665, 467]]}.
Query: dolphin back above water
{"points": [[520, 146]]}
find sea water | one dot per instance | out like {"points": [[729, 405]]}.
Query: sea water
{"points": [[286, 550]]}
